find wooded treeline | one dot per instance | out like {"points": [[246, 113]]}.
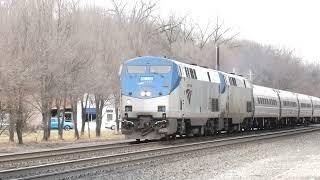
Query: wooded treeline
{"points": [[54, 51]]}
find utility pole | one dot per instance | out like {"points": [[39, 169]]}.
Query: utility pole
{"points": [[217, 58], [234, 70], [250, 75]]}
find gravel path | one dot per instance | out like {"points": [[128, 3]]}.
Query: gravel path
{"points": [[292, 157]]}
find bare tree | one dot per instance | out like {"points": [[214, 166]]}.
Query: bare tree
{"points": [[56, 52], [172, 29]]}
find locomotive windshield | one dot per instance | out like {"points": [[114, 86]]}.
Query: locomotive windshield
{"points": [[160, 69], [153, 69], [137, 69]]}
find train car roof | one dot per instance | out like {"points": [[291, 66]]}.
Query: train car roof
{"points": [[287, 94], [208, 69], [315, 99], [264, 91], [303, 97]]}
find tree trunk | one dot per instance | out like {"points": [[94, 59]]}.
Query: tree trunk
{"points": [[58, 105], [117, 119], [46, 119], [83, 118], [11, 125], [89, 129], [2, 126], [45, 123], [83, 113], [45, 126], [62, 118], [97, 101], [19, 120], [74, 106], [19, 132], [46, 105], [99, 105], [49, 115]]}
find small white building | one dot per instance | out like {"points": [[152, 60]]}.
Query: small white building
{"points": [[108, 114]]}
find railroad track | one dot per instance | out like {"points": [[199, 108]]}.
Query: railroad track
{"points": [[27, 159], [93, 166], [20, 160]]}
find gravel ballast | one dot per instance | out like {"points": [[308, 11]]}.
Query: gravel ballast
{"points": [[290, 157]]}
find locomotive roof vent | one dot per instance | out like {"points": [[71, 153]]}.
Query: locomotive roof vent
{"points": [[204, 66], [194, 64]]}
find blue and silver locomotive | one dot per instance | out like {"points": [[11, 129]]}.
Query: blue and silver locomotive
{"points": [[161, 97]]}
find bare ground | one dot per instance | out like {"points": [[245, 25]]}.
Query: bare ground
{"points": [[33, 141]]}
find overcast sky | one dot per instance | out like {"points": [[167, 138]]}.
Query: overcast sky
{"points": [[291, 24]]}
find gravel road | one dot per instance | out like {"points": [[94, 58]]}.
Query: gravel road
{"points": [[292, 157]]}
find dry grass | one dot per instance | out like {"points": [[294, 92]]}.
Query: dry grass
{"points": [[34, 140]]}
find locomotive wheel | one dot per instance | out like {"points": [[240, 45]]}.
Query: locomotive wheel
{"points": [[167, 138], [174, 137]]}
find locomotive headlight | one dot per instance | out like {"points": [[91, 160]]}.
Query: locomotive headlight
{"points": [[148, 93], [129, 101], [142, 93]]}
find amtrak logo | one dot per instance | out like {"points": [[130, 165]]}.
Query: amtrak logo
{"points": [[189, 93]]}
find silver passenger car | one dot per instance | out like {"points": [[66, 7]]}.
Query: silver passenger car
{"points": [[267, 107], [305, 108], [316, 109]]}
